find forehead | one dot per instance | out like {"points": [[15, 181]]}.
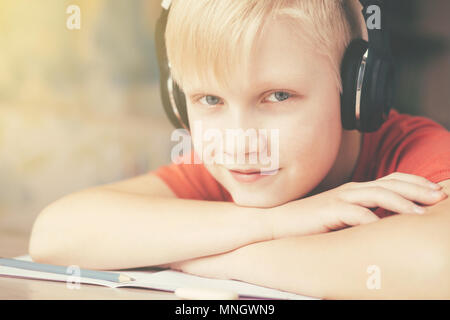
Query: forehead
{"points": [[282, 54]]}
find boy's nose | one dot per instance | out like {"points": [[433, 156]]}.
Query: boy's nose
{"points": [[246, 142], [243, 135]]}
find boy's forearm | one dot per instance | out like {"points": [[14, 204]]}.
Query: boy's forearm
{"points": [[410, 253], [100, 228]]}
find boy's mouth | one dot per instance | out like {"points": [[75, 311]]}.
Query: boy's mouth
{"points": [[250, 175]]}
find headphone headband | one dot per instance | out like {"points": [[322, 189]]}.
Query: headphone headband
{"points": [[378, 39], [367, 73], [166, 4]]}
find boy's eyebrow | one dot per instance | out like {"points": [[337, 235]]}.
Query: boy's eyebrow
{"points": [[287, 81]]}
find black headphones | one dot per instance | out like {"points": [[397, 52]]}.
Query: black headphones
{"points": [[367, 72]]}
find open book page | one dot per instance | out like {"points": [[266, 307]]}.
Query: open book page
{"points": [[167, 280]]}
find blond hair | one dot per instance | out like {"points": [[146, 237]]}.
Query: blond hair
{"points": [[211, 40]]}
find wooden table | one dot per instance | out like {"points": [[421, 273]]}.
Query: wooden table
{"points": [[14, 237]]}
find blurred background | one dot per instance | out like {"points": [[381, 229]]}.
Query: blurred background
{"points": [[81, 107]]}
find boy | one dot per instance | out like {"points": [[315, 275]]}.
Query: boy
{"points": [[233, 221]]}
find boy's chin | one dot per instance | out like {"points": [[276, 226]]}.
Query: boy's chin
{"points": [[263, 200]]}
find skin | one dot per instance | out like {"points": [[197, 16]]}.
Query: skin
{"points": [[311, 154]]}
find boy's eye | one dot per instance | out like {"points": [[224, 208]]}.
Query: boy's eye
{"points": [[279, 96], [209, 100]]}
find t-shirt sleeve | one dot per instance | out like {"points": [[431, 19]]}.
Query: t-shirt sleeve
{"points": [[190, 180], [422, 148], [426, 153]]}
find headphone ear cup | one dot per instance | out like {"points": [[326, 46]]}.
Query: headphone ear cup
{"points": [[164, 70], [378, 92], [180, 101], [350, 65]]}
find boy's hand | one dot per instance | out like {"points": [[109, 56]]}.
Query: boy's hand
{"points": [[348, 204]]}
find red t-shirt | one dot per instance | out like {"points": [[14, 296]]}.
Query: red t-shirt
{"points": [[404, 143]]}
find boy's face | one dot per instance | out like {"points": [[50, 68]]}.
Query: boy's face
{"points": [[290, 87]]}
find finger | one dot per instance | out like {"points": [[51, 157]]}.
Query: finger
{"points": [[410, 191], [357, 215], [412, 179], [372, 197]]}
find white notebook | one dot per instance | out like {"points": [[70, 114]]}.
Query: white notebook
{"points": [[166, 280]]}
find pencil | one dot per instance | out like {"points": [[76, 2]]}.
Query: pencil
{"points": [[49, 268]]}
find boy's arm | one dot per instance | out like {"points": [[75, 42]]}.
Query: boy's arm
{"points": [[139, 222], [410, 254]]}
